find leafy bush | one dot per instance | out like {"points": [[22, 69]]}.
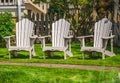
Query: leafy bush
{"points": [[6, 25]]}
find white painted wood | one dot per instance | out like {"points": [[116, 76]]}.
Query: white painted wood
{"points": [[23, 32], [58, 33], [24, 38], [102, 33], [53, 33], [102, 29], [60, 30], [19, 10]]}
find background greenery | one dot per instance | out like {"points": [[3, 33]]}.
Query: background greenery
{"points": [[6, 26]]}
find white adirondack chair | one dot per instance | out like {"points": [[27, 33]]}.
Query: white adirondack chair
{"points": [[24, 38], [60, 38], [102, 33]]}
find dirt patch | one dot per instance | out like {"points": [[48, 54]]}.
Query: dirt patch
{"points": [[83, 67]]}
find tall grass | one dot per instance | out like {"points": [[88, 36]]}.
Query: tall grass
{"points": [[27, 74]]}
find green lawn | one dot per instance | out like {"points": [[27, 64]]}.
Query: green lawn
{"points": [[27, 74], [58, 57]]}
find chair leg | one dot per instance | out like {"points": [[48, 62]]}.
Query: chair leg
{"points": [[30, 54], [44, 55], [103, 55], [15, 53], [83, 55], [33, 52], [64, 55], [51, 54], [9, 55]]}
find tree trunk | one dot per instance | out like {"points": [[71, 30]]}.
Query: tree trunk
{"points": [[116, 24]]}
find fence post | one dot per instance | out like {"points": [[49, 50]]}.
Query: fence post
{"points": [[50, 22], [29, 14], [42, 24], [19, 10], [46, 24], [37, 25]]}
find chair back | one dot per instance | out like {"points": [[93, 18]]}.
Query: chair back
{"points": [[60, 29], [102, 29], [24, 29]]}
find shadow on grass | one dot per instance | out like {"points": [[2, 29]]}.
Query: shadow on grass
{"points": [[91, 56], [20, 56], [55, 55]]}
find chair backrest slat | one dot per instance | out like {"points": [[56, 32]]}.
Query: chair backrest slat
{"points": [[102, 29], [59, 29], [24, 30]]}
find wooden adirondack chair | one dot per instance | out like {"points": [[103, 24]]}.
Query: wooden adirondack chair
{"points": [[60, 38], [102, 33], [24, 38]]}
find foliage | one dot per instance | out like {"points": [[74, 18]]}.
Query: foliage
{"points": [[104, 8], [6, 25], [29, 74], [82, 14]]}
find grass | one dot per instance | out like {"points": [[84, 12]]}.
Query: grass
{"points": [[27, 74], [58, 57]]}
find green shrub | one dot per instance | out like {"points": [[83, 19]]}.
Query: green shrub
{"points": [[6, 26]]}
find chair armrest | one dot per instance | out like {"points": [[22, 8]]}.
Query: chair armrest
{"points": [[68, 37], [68, 41], [32, 40], [105, 39], [7, 39], [34, 37], [110, 37], [42, 39], [80, 37]]}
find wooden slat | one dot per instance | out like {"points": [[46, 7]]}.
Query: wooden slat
{"points": [[53, 33], [27, 26], [95, 34], [22, 33], [106, 29], [28, 32], [25, 36], [55, 29], [62, 35], [68, 28], [17, 33], [102, 29], [58, 33], [59, 30], [65, 29], [63, 32], [24, 30], [101, 32]]}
